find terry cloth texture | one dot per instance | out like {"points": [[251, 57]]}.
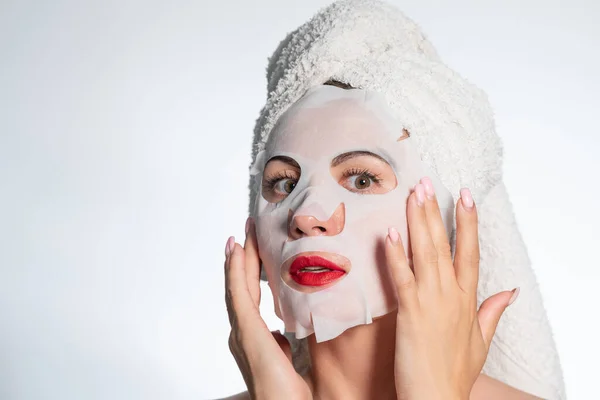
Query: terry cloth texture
{"points": [[370, 44]]}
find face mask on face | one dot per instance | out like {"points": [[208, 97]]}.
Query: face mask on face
{"points": [[333, 178]]}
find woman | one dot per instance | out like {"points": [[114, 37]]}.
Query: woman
{"points": [[402, 322]]}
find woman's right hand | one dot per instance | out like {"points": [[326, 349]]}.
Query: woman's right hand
{"points": [[263, 357]]}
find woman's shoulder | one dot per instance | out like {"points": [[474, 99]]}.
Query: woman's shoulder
{"points": [[239, 396], [485, 387], [488, 388]]}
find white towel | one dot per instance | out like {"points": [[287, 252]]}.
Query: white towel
{"points": [[371, 44]]}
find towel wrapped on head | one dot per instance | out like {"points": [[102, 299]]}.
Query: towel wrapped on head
{"points": [[370, 44]]}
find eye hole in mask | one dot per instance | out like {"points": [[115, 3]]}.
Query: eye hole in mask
{"points": [[360, 172], [280, 178]]}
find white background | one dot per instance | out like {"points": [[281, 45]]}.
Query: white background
{"points": [[125, 134]]}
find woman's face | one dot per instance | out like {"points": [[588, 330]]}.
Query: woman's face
{"points": [[361, 172], [334, 176]]}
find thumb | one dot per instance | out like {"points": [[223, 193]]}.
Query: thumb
{"points": [[491, 310], [283, 343]]}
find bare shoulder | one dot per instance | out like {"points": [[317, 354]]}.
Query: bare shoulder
{"points": [[239, 396], [485, 388], [488, 388]]}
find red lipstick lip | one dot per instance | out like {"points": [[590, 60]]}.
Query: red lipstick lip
{"points": [[313, 278], [313, 261]]}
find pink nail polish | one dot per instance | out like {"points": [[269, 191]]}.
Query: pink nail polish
{"points": [[429, 192], [394, 236], [420, 191], [229, 246], [516, 292], [466, 198]]}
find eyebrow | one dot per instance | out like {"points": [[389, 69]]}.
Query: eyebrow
{"points": [[285, 159], [353, 154]]}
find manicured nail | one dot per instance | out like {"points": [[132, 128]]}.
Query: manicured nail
{"points": [[466, 198], [393, 234], [229, 246], [248, 221], [429, 192], [420, 191], [516, 292]]}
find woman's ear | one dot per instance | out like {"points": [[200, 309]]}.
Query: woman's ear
{"points": [[405, 135]]}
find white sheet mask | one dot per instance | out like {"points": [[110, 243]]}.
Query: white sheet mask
{"points": [[326, 122]]}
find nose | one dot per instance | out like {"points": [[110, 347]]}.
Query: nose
{"points": [[306, 225]]}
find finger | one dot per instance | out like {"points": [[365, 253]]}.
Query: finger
{"points": [[238, 298], [466, 258], [283, 343], [252, 261], [404, 279], [491, 311], [425, 258], [438, 233], [229, 245], [250, 337]]}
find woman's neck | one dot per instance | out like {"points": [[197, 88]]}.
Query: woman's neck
{"points": [[358, 364]]}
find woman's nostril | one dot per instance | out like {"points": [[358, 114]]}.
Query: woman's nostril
{"points": [[301, 226]]}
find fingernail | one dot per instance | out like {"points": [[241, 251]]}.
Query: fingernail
{"points": [[393, 234], [248, 224], [420, 191], [466, 198], [429, 192], [229, 246], [516, 292]]}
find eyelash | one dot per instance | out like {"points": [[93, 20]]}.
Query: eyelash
{"points": [[361, 172], [270, 182]]}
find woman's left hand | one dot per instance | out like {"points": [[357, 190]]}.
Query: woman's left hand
{"points": [[442, 340]]}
